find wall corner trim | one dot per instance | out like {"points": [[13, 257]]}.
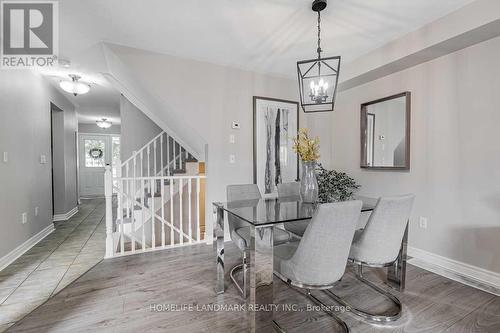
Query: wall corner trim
{"points": [[10, 257], [65, 217], [470, 275]]}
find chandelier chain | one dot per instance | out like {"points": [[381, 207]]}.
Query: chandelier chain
{"points": [[319, 50]]}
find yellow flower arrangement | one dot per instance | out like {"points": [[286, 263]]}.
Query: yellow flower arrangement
{"points": [[305, 147]]}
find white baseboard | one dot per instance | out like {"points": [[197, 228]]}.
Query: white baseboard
{"points": [[24, 247], [470, 275], [65, 217]]}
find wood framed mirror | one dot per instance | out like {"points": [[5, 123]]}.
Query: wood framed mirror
{"points": [[385, 133]]}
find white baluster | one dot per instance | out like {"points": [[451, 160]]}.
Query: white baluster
{"points": [[126, 188], [162, 212], [172, 235], [132, 197], [143, 208], [153, 215], [149, 168], [190, 233], [154, 158], [175, 155], [162, 166], [198, 209], [108, 194], [168, 155], [181, 227], [122, 245]]}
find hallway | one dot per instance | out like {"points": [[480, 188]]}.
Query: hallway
{"points": [[72, 249]]}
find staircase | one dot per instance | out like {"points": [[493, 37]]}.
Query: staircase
{"points": [[160, 193]]}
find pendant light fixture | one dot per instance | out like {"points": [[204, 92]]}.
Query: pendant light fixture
{"points": [[74, 86], [318, 78], [104, 123]]}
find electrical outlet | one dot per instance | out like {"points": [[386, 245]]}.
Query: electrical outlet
{"points": [[36, 211], [24, 217], [422, 222], [235, 125], [232, 159], [43, 159]]}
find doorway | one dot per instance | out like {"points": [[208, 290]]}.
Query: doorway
{"points": [[96, 151]]}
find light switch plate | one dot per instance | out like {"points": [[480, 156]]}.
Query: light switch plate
{"points": [[422, 222], [232, 138], [24, 218], [36, 211], [43, 159], [5, 157], [232, 159]]}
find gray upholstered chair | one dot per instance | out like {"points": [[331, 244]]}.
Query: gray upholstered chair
{"points": [[378, 245], [240, 231], [287, 191], [319, 259]]}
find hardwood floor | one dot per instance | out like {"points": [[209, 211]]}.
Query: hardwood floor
{"points": [[117, 295], [73, 248]]}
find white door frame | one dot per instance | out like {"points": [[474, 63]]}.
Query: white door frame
{"points": [[78, 171]]}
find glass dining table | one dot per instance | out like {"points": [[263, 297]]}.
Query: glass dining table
{"points": [[262, 216]]}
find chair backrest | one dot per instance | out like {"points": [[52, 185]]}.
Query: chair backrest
{"points": [[287, 190], [321, 256], [238, 193], [381, 239]]}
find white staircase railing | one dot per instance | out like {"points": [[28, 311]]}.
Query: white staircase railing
{"points": [[158, 204], [160, 156]]}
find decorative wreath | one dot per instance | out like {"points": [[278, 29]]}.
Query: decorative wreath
{"points": [[95, 153]]}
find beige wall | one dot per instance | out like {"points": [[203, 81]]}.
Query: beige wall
{"points": [[454, 152], [136, 129], [25, 183]]}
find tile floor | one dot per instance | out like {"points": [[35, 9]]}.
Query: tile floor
{"points": [[72, 249]]}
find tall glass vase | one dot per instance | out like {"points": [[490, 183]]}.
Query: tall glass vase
{"points": [[308, 182]]}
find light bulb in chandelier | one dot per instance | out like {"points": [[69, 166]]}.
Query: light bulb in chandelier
{"points": [[318, 92]]}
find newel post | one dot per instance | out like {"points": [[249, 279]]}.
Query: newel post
{"points": [[108, 194]]}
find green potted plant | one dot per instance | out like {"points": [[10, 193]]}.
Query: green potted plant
{"points": [[334, 186]]}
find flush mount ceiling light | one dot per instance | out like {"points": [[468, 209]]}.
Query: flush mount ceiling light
{"points": [[74, 86], [318, 78], [104, 123]]}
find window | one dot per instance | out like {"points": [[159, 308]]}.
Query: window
{"points": [[94, 153], [115, 147]]}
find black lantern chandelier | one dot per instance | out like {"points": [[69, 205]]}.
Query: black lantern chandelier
{"points": [[318, 78]]}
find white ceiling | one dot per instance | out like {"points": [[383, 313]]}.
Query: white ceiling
{"points": [[262, 35]]}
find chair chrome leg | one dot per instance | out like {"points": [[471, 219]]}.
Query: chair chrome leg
{"points": [[308, 294], [231, 275], [366, 315], [244, 267], [339, 321]]}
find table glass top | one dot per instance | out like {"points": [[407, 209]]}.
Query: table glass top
{"points": [[271, 211]]}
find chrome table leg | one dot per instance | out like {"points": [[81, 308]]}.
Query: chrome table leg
{"points": [[261, 277], [219, 247], [396, 274]]}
